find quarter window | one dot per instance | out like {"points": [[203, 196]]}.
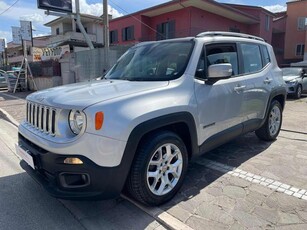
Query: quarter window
{"points": [[265, 55], [252, 61]]}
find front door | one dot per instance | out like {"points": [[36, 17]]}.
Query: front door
{"points": [[219, 105]]}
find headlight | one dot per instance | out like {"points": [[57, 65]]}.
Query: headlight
{"points": [[76, 121], [293, 82]]}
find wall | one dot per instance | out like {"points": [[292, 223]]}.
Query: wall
{"points": [[293, 35], [206, 21], [182, 22], [121, 23]]}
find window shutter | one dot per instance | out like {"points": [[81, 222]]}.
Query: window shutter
{"points": [[124, 34], [115, 36], [159, 32], [132, 33], [172, 29]]}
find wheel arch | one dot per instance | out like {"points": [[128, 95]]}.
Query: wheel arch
{"points": [[181, 123], [278, 95]]}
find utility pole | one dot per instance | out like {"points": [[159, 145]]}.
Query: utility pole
{"points": [[106, 33], [78, 20]]}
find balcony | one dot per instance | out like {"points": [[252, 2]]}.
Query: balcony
{"points": [[70, 36]]}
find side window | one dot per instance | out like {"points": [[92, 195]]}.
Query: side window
{"points": [[265, 55], [223, 53], [252, 61]]}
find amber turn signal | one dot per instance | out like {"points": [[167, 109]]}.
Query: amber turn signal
{"points": [[73, 161], [99, 117]]}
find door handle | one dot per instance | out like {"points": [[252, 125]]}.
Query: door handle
{"points": [[239, 88], [267, 80]]}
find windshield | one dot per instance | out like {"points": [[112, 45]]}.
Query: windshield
{"points": [[159, 61], [291, 71]]}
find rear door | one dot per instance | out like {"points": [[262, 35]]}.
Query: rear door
{"points": [[257, 79]]}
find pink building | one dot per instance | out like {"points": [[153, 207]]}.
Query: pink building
{"points": [[182, 18], [290, 33]]}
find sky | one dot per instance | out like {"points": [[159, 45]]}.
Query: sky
{"points": [[11, 11]]}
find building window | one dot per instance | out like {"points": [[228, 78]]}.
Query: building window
{"points": [[166, 30], [57, 31], [128, 33], [300, 49], [267, 22], [302, 23], [113, 36]]}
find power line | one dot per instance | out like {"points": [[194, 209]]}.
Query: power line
{"points": [[137, 19], [9, 7]]}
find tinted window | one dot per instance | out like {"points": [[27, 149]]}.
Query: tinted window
{"points": [[265, 55], [251, 58], [223, 53]]}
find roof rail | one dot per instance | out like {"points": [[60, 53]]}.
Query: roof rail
{"points": [[228, 34]]}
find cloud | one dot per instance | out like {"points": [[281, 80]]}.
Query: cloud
{"points": [[275, 8], [96, 9], [7, 35], [33, 17]]}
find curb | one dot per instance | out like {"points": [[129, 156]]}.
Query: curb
{"points": [[163, 217], [9, 118]]}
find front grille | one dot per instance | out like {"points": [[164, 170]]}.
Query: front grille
{"points": [[42, 117]]}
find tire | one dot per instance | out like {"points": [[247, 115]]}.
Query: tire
{"points": [[298, 92], [151, 179], [271, 127]]}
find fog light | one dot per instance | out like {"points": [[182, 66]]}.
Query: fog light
{"points": [[73, 161]]}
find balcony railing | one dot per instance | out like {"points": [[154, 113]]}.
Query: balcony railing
{"points": [[71, 36]]}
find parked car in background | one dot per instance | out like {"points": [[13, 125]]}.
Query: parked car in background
{"points": [[3, 82], [296, 80]]}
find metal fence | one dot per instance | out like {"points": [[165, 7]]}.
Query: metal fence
{"points": [[89, 64], [47, 68]]}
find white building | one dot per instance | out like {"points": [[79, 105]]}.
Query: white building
{"points": [[65, 31]]}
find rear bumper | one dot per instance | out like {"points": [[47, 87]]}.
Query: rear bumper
{"points": [[85, 181]]}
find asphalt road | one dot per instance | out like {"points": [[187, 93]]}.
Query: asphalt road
{"points": [[25, 205]]}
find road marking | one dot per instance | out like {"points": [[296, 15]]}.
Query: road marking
{"points": [[256, 179], [160, 215]]}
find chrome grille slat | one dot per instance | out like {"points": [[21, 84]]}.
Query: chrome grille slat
{"points": [[42, 118]]}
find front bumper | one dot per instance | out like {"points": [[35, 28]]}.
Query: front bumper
{"points": [[65, 181], [291, 88]]}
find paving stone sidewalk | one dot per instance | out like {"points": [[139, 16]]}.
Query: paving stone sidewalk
{"points": [[14, 104]]}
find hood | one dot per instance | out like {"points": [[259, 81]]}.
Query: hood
{"points": [[82, 95], [290, 78]]}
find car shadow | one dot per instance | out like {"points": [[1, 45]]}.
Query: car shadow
{"points": [[26, 205], [233, 154]]}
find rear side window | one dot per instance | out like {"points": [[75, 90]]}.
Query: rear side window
{"points": [[252, 61], [265, 55]]}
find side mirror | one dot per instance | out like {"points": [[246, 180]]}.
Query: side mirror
{"points": [[219, 71]]}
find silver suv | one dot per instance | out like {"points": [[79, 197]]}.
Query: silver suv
{"points": [[160, 105]]}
